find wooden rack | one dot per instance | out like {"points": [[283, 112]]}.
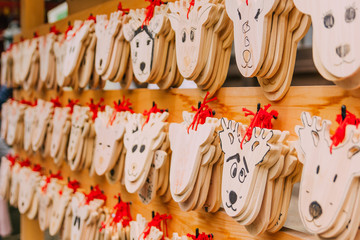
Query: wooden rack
{"points": [[324, 101]]}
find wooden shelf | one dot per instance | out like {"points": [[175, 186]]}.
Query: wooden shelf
{"points": [[324, 101]]}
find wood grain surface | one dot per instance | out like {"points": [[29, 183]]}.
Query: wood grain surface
{"points": [[324, 101]]}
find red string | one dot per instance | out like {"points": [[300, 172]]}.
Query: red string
{"points": [[122, 213], [124, 10], [94, 108], [95, 193], [247, 2], [10, 47], [48, 180], [12, 159], [53, 29], [74, 185], [36, 168], [149, 12], [69, 28], [261, 119], [25, 163], [202, 236], [339, 135], [71, 104], [92, 17], [154, 109], [36, 35], [192, 3], [29, 103], [156, 222], [203, 112], [120, 106], [56, 102], [60, 192]]}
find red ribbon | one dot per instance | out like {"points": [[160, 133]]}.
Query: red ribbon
{"points": [[94, 108], [48, 180], [25, 163], [154, 109], [74, 185], [149, 12], [53, 29], [202, 112], [123, 10], [71, 104], [12, 159], [36, 168], [92, 17], [156, 222], [56, 102], [202, 236], [122, 213], [192, 3], [343, 121], [95, 193], [261, 119], [69, 28]]}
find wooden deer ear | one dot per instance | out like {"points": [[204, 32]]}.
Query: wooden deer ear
{"points": [[204, 12], [304, 6], [156, 24], [174, 20], [128, 32], [315, 137], [353, 151], [232, 9]]}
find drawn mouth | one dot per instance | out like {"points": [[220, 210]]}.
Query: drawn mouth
{"points": [[131, 174], [230, 206], [246, 66], [143, 73], [344, 61]]}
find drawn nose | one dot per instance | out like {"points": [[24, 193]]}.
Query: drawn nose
{"points": [[343, 50], [233, 197], [142, 66], [315, 210]]}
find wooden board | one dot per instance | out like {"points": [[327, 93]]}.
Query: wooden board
{"points": [[323, 101]]}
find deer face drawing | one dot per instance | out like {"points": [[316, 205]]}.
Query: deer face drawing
{"points": [[28, 124], [15, 116], [141, 142], [29, 46], [326, 177], [334, 23], [14, 187], [105, 31], [142, 39], [61, 202], [240, 164], [75, 40], [249, 22], [46, 199], [60, 53], [188, 32], [78, 119], [60, 118], [43, 112], [109, 131], [187, 149], [28, 183], [46, 44]]}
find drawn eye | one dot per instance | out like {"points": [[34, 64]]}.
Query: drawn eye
{"points": [[350, 14], [142, 148], [233, 170], [108, 146], [100, 143], [335, 177], [183, 38], [318, 169], [242, 175], [192, 35], [257, 14], [329, 20], [137, 44], [239, 14], [134, 148], [148, 42]]}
